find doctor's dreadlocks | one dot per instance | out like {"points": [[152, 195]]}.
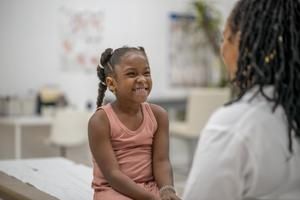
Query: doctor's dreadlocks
{"points": [[269, 53]]}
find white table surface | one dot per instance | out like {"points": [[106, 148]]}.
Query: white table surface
{"points": [[58, 177], [20, 121]]}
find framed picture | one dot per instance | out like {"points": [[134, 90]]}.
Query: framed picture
{"points": [[190, 58], [81, 35]]}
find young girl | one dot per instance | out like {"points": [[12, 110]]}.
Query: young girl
{"points": [[250, 149], [129, 138]]}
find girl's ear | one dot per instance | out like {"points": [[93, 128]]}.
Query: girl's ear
{"points": [[110, 82]]}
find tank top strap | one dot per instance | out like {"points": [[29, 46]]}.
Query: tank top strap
{"points": [[113, 122], [110, 114], [150, 113]]}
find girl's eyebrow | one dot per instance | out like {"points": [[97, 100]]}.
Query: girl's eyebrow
{"points": [[133, 68], [129, 69]]}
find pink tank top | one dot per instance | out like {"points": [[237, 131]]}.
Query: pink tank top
{"points": [[133, 149]]}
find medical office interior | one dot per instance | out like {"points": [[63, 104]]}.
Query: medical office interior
{"points": [[48, 83]]}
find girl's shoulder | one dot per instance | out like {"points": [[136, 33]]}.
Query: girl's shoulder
{"points": [[99, 121], [157, 110], [99, 116]]}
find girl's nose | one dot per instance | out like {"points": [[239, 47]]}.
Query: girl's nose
{"points": [[141, 78]]}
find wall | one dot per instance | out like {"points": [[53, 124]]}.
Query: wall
{"points": [[29, 40]]}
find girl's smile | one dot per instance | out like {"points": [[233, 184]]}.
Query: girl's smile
{"points": [[141, 91]]}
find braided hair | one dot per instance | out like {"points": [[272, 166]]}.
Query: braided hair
{"points": [[110, 58], [269, 53]]}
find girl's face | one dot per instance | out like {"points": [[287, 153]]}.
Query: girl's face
{"points": [[230, 50], [132, 80]]}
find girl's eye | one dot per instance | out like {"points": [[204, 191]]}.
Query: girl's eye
{"points": [[130, 74], [147, 73]]}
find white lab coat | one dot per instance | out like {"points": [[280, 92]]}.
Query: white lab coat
{"points": [[243, 154]]}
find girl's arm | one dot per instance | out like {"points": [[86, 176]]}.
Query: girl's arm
{"points": [[162, 169], [102, 151]]}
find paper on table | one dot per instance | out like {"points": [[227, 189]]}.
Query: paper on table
{"points": [[58, 177]]}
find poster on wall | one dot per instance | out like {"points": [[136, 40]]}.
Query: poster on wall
{"points": [[190, 57], [81, 36]]}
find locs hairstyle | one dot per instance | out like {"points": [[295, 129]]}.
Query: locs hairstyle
{"points": [[269, 53]]}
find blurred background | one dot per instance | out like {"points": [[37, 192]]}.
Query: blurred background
{"points": [[49, 52]]}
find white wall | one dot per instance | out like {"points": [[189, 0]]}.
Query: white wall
{"points": [[29, 38]]}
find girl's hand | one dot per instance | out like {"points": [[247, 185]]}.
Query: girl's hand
{"points": [[168, 195]]}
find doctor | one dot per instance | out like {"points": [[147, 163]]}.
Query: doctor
{"points": [[250, 148]]}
